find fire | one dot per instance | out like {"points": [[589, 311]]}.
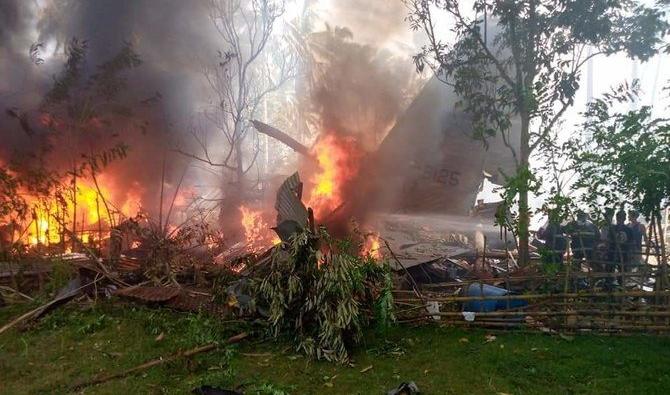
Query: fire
{"points": [[371, 246], [50, 216], [338, 159], [133, 201], [257, 232]]}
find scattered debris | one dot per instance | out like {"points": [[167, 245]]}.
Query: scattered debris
{"points": [[469, 316], [488, 305], [15, 292], [292, 215], [151, 294], [405, 389], [65, 295], [433, 307]]}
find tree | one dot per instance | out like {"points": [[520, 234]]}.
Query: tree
{"points": [[240, 79], [75, 131], [13, 209], [628, 160], [527, 66]]}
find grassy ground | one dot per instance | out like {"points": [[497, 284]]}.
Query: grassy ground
{"points": [[74, 344]]}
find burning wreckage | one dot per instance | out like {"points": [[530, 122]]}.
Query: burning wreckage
{"points": [[417, 248], [421, 218]]}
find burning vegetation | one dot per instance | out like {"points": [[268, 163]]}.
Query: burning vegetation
{"points": [[154, 181]]}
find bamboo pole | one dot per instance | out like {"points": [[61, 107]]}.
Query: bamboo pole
{"points": [[45, 307], [104, 200], [555, 313], [74, 208], [158, 361], [605, 327], [97, 209], [546, 296], [521, 279]]}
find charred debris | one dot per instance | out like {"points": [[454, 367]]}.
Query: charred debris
{"points": [[295, 285], [324, 290]]}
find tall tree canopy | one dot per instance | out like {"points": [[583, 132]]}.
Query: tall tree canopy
{"points": [[516, 64]]}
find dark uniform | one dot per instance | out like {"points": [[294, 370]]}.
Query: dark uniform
{"points": [[584, 237], [554, 241], [619, 247]]}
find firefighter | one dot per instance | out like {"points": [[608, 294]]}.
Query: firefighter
{"points": [[584, 236], [554, 239]]}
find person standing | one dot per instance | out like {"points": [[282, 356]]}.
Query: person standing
{"points": [[608, 223], [555, 242], [639, 234], [584, 235], [619, 243]]}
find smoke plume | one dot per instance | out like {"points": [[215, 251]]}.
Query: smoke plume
{"points": [[172, 39]]}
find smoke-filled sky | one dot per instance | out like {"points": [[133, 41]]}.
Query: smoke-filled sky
{"points": [[176, 38], [171, 37]]}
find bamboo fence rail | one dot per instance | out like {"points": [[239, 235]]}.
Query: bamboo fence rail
{"points": [[580, 297]]}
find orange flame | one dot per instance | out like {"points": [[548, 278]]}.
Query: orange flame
{"points": [[339, 160], [371, 246], [257, 232], [50, 215]]}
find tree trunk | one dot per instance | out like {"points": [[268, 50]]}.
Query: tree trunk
{"points": [[523, 171], [234, 192]]}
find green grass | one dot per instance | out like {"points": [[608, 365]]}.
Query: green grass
{"points": [[74, 343]]}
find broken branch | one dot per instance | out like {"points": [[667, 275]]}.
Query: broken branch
{"points": [[282, 137]]}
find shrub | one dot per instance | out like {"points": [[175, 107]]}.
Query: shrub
{"points": [[323, 294]]}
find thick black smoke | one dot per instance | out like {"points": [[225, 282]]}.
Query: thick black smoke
{"points": [[173, 39]]}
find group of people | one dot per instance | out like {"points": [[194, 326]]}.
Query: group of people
{"points": [[615, 246]]}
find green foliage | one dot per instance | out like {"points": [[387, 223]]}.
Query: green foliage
{"points": [[628, 159], [266, 389], [81, 323], [523, 179], [528, 62], [65, 83], [384, 315], [321, 294], [192, 329], [61, 273], [99, 160], [109, 80], [79, 96], [557, 207], [94, 325], [549, 266], [427, 354], [11, 203], [519, 76]]}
